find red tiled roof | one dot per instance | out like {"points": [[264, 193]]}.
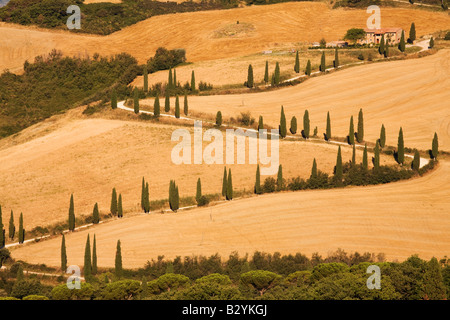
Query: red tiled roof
{"points": [[383, 30]]}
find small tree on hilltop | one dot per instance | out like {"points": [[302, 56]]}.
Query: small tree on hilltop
{"points": [[328, 130], [297, 63]]}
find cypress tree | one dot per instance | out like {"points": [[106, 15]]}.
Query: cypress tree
{"points": [[400, 148], [308, 68], [266, 73], [119, 207], [136, 101], [174, 83], [118, 262], [402, 44], [382, 136], [177, 107], [2, 233], [315, 131], [224, 182], [293, 128], [314, 170], [146, 198], [156, 107], [336, 58], [297, 63], [376, 162], [431, 44], [87, 259], [280, 183], [354, 156], [381, 47], [365, 162], [114, 100], [12, 227], [71, 214], [282, 127], [186, 107], [176, 198], [94, 256], [170, 80], [193, 81], [95, 214], [229, 186], [412, 33], [113, 207], [145, 78], [306, 124], [416, 161], [219, 118], [63, 254], [435, 147], [351, 132], [167, 102], [277, 74], [328, 131], [171, 194], [250, 76], [360, 133], [322, 62], [339, 170], [198, 195], [143, 194], [272, 80], [258, 181], [386, 50], [260, 123]]}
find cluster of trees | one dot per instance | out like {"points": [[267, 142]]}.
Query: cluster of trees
{"points": [[99, 18], [260, 276], [54, 83], [11, 230]]}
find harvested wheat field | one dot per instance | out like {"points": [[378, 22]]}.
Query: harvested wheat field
{"points": [[408, 93], [398, 219], [206, 36], [44, 164]]}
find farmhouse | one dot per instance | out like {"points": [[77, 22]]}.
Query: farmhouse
{"points": [[339, 44], [392, 35]]}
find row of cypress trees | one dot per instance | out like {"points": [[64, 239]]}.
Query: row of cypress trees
{"points": [[11, 229]]}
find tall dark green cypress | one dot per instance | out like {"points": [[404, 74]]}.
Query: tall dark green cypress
{"points": [[12, 227], [306, 125], [146, 198], [314, 170], [136, 101], [435, 147], [193, 81], [354, 156], [328, 130], [229, 186], [381, 47], [282, 127], [63, 255], [198, 194], [114, 99], [186, 107], [260, 123], [176, 198], [224, 182], [416, 161], [119, 207], [322, 62], [170, 80], [360, 133], [376, 159], [351, 132], [336, 58], [174, 83], [145, 78], [219, 118], [431, 43], [400, 148], [118, 270], [177, 107], [297, 63], [280, 181], [156, 107], [94, 256], [365, 161], [412, 33], [95, 214], [257, 188], [382, 136], [277, 74], [293, 128], [386, 49], [143, 194], [71, 214], [87, 259], [167, 102], [266, 73], [402, 44], [308, 68], [339, 170], [113, 207], [250, 76]]}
